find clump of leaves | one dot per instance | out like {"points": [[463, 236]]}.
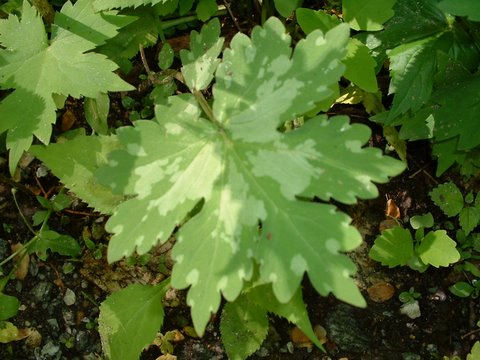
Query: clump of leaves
{"points": [[252, 184], [44, 71], [449, 198], [396, 246]]}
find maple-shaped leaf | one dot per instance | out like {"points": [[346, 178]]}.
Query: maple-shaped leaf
{"points": [[38, 67], [245, 176]]}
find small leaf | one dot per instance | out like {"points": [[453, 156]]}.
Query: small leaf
{"points": [[461, 289], [422, 221], [244, 327], [200, 63], [368, 15], [286, 7], [166, 56], [96, 113], [61, 201], [130, 318], [206, 9], [394, 247], [310, 20], [53, 241], [469, 8], [469, 218], [448, 197], [360, 66], [8, 306], [438, 249], [475, 352]]}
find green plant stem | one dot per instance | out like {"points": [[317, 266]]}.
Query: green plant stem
{"points": [[14, 191], [25, 247], [205, 106], [89, 298], [174, 22]]}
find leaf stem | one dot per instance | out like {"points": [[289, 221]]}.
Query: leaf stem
{"points": [[205, 106], [14, 191]]}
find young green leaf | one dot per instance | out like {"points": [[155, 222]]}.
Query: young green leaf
{"points": [[469, 218], [310, 20], [244, 327], [166, 56], [368, 15], [206, 9], [448, 197], [294, 310], [8, 306], [200, 63], [53, 241], [438, 249], [246, 172], [286, 7], [474, 352], [422, 221], [461, 289], [38, 67], [394, 247], [130, 318]]}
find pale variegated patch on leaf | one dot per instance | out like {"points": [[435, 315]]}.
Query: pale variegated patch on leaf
{"points": [[249, 176]]}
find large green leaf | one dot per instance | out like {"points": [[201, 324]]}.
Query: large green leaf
{"points": [[247, 175], [38, 67], [367, 15], [129, 320]]}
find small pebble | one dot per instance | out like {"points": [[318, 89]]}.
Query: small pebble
{"points": [[69, 298], [411, 309]]}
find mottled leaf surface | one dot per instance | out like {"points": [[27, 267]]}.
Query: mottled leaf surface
{"points": [[248, 175]]}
